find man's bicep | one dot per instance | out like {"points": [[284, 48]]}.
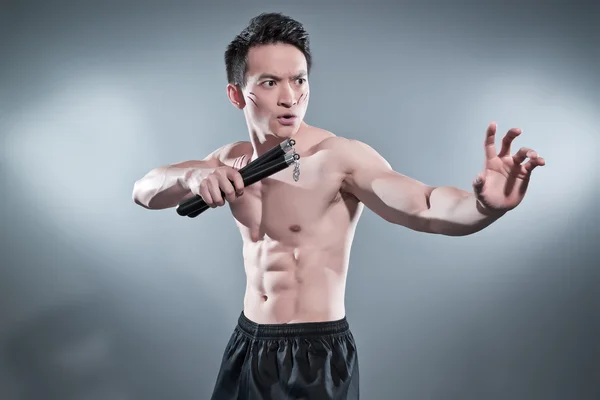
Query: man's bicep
{"points": [[393, 196], [219, 157], [212, 160], [367, 169], [204, 163]]}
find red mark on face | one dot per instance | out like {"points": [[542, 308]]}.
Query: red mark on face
{"points": [[303, 98], [251, 99]]}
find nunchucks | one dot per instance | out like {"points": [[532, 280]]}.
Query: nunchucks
{"points": [[274, 160]]}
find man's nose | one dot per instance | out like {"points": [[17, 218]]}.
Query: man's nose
{"points": [[287, 97]]}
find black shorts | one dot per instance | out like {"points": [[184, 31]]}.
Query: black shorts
{"points": [[313, 361]]}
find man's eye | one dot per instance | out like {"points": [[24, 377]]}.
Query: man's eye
{"points": [[269, 83]]}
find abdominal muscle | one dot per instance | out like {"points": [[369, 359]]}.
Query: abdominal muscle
{"points": [[293, 284], [296, 240]]}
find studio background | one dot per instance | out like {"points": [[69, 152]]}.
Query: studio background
{"points": [[101, 299]]}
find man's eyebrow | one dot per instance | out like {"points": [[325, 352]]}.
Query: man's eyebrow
{"points": [[276, 78], [269, 76], [301, 74]]}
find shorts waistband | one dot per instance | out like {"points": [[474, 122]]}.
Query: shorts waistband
{"points": [[267, 331]]}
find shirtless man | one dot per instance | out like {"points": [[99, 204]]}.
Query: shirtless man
{"points": [[292, 339]]}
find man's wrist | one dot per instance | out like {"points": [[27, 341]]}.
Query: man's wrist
{"points": [[486, 211], [184, 178]]}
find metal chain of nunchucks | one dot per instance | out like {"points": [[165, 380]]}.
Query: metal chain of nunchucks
{"points": [[296, 173], [274, 160]]}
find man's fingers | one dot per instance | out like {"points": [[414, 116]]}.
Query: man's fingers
{"points": [[238, 182], [478, 182], [522, 154], [534, 162], [490, 141], [226, 187], [205, 193], [215, 192], [507, 141], [222, 184]]}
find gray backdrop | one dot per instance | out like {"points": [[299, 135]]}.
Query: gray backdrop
{"points": [[101, 299]]}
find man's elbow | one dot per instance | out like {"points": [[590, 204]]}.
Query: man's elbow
{"points": [[416, 221], [138, 195], [446, 228]]}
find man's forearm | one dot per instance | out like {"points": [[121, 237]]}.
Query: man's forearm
{"points": [[164, 187], [456, 212]]}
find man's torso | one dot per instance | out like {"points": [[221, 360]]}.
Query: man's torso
{"points": [[297, 236]]}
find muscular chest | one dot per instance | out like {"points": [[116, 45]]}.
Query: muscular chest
{"points": [[279, 207]]}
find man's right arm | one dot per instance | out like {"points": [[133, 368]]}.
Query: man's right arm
{"points": [[166, 186]]}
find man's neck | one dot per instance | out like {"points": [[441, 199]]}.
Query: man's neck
{"points": [[263, 141]]}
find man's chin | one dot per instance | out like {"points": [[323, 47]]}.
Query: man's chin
{"points": [[285, 132]]}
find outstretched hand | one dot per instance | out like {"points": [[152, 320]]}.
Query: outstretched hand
{"points": [[501, 186]]}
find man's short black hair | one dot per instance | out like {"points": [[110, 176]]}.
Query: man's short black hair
{"points": [[266, 28]]}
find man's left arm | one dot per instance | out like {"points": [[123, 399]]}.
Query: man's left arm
{"points": [[444, 210], [405, 201]]}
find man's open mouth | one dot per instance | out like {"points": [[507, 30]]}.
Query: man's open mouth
{"points": [[287, 116]]}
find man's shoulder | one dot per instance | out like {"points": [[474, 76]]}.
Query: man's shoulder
{"points": [[349, 153], [340, 144], [339, 150], [236, 150], [326, 140], [231, 153]]}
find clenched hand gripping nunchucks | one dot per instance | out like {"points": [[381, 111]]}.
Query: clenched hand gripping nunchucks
{"points": [[274, 160]]}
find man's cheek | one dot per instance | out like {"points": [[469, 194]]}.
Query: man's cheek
{"points": [[303, 99], [254, 100]]}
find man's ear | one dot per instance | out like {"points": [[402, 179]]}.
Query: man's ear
{"points": [[236, 97]]}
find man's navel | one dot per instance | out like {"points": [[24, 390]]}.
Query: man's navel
{"points": [[295, 228]]}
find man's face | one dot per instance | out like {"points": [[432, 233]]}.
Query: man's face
{"points": [[276, 92]]}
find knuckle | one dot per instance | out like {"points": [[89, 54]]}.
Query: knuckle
{"points": [[210, 178]]}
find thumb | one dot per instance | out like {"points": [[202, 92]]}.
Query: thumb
{"points": [[478, 182]]}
